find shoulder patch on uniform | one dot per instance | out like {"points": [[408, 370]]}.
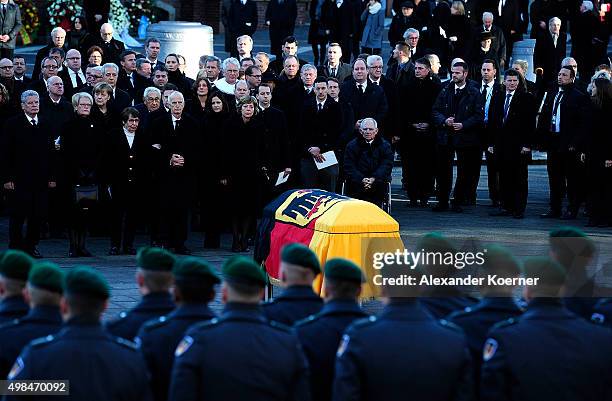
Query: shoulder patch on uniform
{"points": [[450, 325], [279, 326], [125, 343], [16, 369], [343, 344], [183, 346], [490, 347], [364, 322], [43, 340], [598, 318], [206, 324], [305, 321], [154, 323], [504, 323]]}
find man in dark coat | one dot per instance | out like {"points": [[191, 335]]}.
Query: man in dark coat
{"points": [[562, 124], [280, 18], [242, 20], [127, 75], [27, 172], [121, 99], [154, 279], [498, 40], [457, 115], [290, 48], [550, 50], [334, 67], [10, 25], [178, 136], [513, 123], [298, 269], [194, 288], [73, 75], [401, 22], [96, 12], [345, 28], [320, 334], [58, 39], [376, 78], [111, 47]]}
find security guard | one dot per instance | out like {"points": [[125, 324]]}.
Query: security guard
{"points": [[98, 366], [154, 279], [14, 268], [440, 301], [241, 355], [194, 289], [548, 353], [320, 334], [404, 352], [299, 267], [574, 250], [44, 291], [497, 305]]}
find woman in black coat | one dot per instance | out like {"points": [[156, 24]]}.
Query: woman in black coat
{"points": [[212, 194], [197, 103], [82, 145], [458, 31], [175, 76], [78, 37], [242, 172], [101, 113]]}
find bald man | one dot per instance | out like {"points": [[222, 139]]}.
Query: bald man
{"points": [[73, 75], [111, 47]]}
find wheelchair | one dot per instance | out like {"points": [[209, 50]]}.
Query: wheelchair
{"points": [[385, 204]]}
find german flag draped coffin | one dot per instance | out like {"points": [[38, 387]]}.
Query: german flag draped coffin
{"points": [[331, 225]]}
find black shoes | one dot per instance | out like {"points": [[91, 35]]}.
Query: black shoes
{"points": [[551, 214], [440, 207]]}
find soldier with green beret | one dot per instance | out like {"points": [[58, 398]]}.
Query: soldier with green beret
{"points": [[241, 341], [544, 339], [194, 288], [574, 250], [98, 365], [14, 269], [298, 268], [154, 278], [320, 334], [44, 292]]}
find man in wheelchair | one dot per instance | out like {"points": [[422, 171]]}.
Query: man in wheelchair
{"points": [[368, 162]]}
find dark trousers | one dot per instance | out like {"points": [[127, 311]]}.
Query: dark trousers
{"points": [[468, 174], [444, 172], [318, 50], [16, 239], [514, 182], [375, 195], [125, 210], [599, 182], [175, 225], [418, 164], [563, 168], [493, 171], [6, 53], [321, 179]]}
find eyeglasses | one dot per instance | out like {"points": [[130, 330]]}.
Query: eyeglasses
{"points": [[85, 104], [376, 67], [51, 67], [7, 67], [73, 58]]}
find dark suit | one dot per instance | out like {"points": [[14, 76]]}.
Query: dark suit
{"points": [[239, 15], [371, 103], [111, 50], [127, 172], [510, 135], [10, 24], [69, 88], [119, 101], [282, 15], [342, 71], [136, 89], [40, 86], [563, 147], [40, 55], [547, 56], [27, 153], [493, 166]]}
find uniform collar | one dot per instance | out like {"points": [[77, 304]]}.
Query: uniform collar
{"points": [[500, 303], [242, 311], [155, 300], [337, 306], [191, 311], [547, 308], [14, 303], [45, 313], [299, 292], [405, 309]]}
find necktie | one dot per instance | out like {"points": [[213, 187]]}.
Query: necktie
{"points": [[374, 83], [555, 39], [333, 72], [320, 107], [507, 106], [33, 121], [79, 81], [411, 53], [483, 90], [360, 86], [176, 124], [553, 124], [500, 6], [3, 10], [132, 79]]}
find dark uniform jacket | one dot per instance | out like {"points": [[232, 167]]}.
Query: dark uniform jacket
{"points": [[468, 111], [547, 354], [429, 359], [151, 306], [362, 160], [12, 308], [158, 339], [295, 303], [40, 322], [320, 336], [261, 360], [100, 367]]}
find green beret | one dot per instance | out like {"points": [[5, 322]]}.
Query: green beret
{"points": [[86, 281], [567, 231], [193, 268], [47, 276], [435, 242], [300, 255], [343, 269], [16, 265], [550, 273], [155, 259], [572, 240], [499, 259], [241, 269]]}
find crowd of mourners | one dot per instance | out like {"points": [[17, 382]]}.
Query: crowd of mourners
{"points": [[107, 141]]}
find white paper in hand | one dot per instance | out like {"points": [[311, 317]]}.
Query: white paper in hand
{"points": [[281, 178], [330, 160]]}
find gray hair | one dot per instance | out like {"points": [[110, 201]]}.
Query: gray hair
{"points": [[98, 68], [487, 15], [307, 67], [51, 79], [228, 61], [42, 63], [110, 65], [244, 37], [523, 63], [215, 59], [29, 93], [367, 119], [140, 62], [241, 82], [372, 59], [588, 5], [149, 90], [409, 31], [57, 30], [554, 19], [176, 94], [264, 55], [567, 60], [76, 98]]}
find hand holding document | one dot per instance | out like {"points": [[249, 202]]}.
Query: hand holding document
{"points": [[329, 160], [282, 178]]}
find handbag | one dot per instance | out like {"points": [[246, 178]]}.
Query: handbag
{"points": [[86, 196]]}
